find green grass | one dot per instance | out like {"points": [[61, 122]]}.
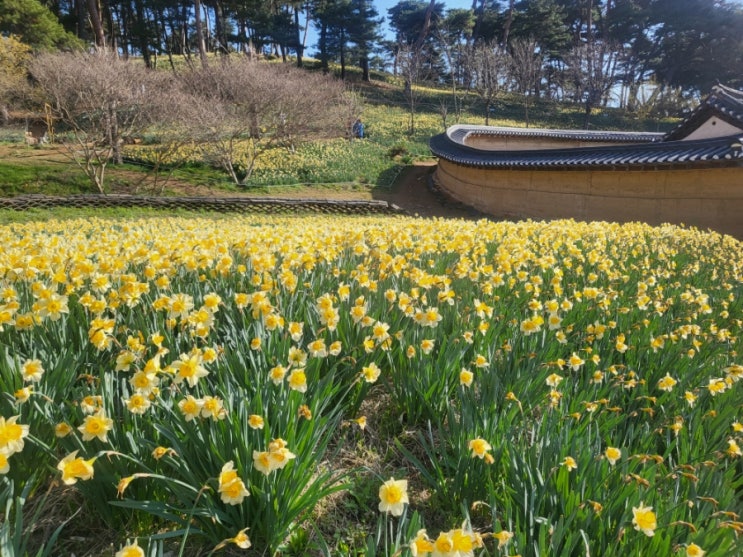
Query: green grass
{"points": [[49, 177]]}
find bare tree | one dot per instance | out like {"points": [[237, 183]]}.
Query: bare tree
{"points": [[489, 65], [412, 67], [171, 133], [591, 73], [241, 107], [453, 36], [526, 69], [96, 100]]}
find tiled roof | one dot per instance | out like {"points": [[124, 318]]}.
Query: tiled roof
{"points": [[723, 102], [724, 150], [631, 149], [459, 134]]}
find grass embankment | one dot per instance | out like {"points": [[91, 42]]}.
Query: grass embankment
{"points": [[537, 389]]}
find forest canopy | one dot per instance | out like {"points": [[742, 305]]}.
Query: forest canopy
{"points": [[646, 56]]}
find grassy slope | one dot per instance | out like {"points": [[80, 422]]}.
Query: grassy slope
{"points": [[318, 168]]}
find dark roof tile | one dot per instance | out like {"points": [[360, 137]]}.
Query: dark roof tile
{"points": [[666, 153], [722, 101]]}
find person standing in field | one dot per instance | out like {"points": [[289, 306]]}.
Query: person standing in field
{"points": [[358, 129]]}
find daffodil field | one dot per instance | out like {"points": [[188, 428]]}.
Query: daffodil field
{"points": [[543, 389], [334, 161]]}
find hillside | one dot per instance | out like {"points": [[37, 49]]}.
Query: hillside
{"points": [[336, 168]]}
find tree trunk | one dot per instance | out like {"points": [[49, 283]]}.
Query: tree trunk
{"points": [[323, 46], [426, 26], [508, 22], [343, 54], [300, 46], [80, 13], [219, 28], [107, 15], [478, 21], [113, 135], [200, 34], [143, 43], [124, 17], [95, 20]]}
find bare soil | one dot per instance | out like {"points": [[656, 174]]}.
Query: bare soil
{"points": [[414, 192]]}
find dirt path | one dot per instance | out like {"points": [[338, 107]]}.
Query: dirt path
{"points": [[411, 192]]}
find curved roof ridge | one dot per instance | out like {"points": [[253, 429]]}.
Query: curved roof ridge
{"points": [[723, 101], [730, 91], [460, 132]]}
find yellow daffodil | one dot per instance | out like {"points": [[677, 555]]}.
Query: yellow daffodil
{"points": [[693, 550], [96, 426], [298, 380], [643, 519], [612, 454], [393, 496], [74, 468], [62, 429], [421, 545], [255, 421], [32, 370], [667, 383], [190, 407], [479, 447], [241, 539], [503, 537], [188, 368], [130, 550], [569, 463], [231, 489], [371, 373]]}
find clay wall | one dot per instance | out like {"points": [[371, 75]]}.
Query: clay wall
{"points": [[705, 198]]}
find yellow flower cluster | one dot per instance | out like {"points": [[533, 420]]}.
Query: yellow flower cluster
{"points": [[275, 458], [607, 325]]}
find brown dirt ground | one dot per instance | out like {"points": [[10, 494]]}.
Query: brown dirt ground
{"points": [[413, 192]]}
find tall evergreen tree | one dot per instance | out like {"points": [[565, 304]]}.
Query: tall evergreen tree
{"points": [[415, 24], [364, 32], [699, 43], [333, 20], [33, 24]]}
